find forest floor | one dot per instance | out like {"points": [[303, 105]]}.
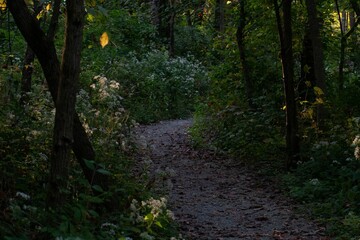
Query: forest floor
{"points": [[214, 197]]}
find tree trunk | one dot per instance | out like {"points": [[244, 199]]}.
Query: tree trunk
{"points": [[46, 53], [307, 80], [318, 55], [29, 57], [26, 76], [155, 13], [240, 37], [188, 18], [65, 104], [285, 35], [172, 28], [343, 40], [220, 15]]}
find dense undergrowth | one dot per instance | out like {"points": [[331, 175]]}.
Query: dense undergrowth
{"points": [[326, 179], [132, 80]]}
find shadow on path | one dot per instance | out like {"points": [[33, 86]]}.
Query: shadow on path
{"points": [[213, 200]]}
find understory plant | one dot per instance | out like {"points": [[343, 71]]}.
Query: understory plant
{"points": [[25, 143], [327, 180], [156, 86]]}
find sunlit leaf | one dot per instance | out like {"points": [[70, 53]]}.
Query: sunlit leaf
{"points": [[41, 14], [104, 40], [319, 101], [149, 217], [318, 91], [2, 4], [90, 17], [306, 68], [90, 3], [157, 223], [48, 7], [284, 107]]}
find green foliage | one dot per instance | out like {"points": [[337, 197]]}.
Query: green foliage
{"points": [[157, 87], [192, 40], [328, 183]]}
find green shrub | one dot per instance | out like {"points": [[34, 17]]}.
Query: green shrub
{"points": [[157, 87]]}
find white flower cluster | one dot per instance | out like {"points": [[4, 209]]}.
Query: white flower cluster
{"points": [[356, 144], [157, 207], [314, 182], [107, 91], [110, 228]]}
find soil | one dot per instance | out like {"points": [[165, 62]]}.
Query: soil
{"points": [[214, 197]]}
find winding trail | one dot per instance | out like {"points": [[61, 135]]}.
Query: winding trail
{"points": [[215, 198]]}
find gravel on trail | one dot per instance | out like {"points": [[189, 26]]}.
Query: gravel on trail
{"points": [[214, 197]]}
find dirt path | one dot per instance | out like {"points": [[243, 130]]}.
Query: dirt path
{"points": [[214, 199]]}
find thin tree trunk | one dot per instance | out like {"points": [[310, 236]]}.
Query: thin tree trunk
{"points": [[155, 13], [28, 67], [26, 76], [285, 35], [241, 46], [172, 28], [46, 53], [343, 40], [65, 104], [188, 18], [318, 55], [220, 15], [29, 57], [307, 70]]}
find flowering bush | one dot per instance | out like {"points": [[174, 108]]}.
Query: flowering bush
{"points": [[157, 87]]}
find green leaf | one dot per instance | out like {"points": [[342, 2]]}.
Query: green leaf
{"points": [[318, 91], [158, 223], [97, 188], [103, 171], [93, 213], [149, 218], [90, 164]]}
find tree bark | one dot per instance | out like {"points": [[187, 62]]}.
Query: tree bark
{"points": [[318, 55], [220, 15], [343, 40], [172, 28], [26, 76], [240, 37], [285, 35], [307, 70], [65, 103], [28, 68], [46, 53]]}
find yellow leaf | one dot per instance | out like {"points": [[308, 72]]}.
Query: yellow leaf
{"points": [[40, 15], [308, 83], [306, 68], [2, 4], [48, 7], [284, 107], [104, 40], [319, 101], [318, 91], [90, 17]]}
